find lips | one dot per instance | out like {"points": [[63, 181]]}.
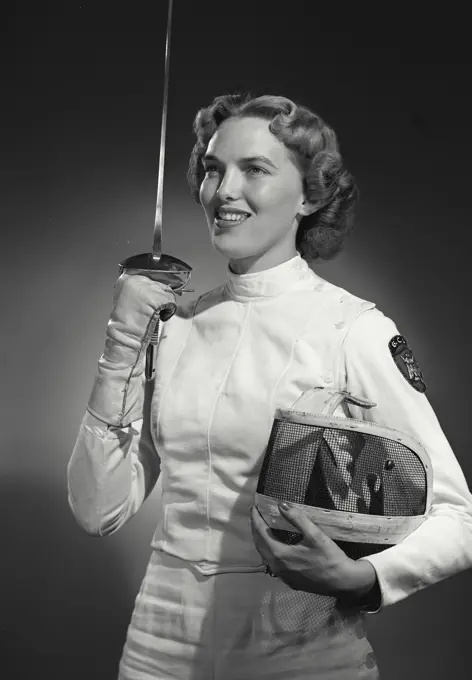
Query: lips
{"points": [[230, 214], [228, 223], [225, 219]]}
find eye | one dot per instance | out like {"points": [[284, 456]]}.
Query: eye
{"points": [[210, 168], [255, 170]]}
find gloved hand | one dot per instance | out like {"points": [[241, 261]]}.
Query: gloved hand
{"points": [[138, 304]]}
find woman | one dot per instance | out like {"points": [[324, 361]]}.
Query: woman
{"points": [[276, 195]]}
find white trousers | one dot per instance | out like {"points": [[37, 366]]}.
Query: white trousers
{"points": [[238, 626]]}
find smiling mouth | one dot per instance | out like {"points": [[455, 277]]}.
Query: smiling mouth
{"points": [[225, 218]]}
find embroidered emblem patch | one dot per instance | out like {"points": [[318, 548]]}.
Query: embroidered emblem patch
{"points": [[406, 362]]}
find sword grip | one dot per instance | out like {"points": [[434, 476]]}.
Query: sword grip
{"points": [[150, 370]]}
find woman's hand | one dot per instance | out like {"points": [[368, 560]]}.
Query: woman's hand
{"points": [[316, 564], [118, 391]]}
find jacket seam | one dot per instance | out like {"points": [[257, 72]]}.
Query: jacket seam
{"points": [[161, 401], [341, 377], [210, 422]]}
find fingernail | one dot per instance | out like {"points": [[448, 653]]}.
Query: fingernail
{"points": [[284, 505]]}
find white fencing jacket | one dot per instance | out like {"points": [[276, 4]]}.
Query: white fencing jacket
{"points": [[225, 362]]}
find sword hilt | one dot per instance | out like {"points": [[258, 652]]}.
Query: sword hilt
{"points": [[168, 270]]}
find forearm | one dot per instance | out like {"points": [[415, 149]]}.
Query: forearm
{"points": [[442, 545], [361, 588], [114, 464], [110, 473]]}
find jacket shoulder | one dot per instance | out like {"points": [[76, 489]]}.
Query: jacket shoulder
{"points": [[188, 307], [343, 303]]}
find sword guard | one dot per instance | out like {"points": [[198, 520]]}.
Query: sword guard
{"points": [[168, 270]]}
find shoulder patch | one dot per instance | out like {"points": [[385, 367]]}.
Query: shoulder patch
{"points": [[406, 362]]}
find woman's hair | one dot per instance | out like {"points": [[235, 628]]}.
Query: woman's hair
{"points": [[314, 149]]}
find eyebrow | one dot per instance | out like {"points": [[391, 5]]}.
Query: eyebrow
{"points": [[247, 159]]}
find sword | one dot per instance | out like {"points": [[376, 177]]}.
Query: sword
{"points": [[160, 267]]}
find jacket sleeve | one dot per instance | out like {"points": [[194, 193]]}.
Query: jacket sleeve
{"points": [[442, 545], [110, 474]]}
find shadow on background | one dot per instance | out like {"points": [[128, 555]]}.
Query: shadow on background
{"points": [[66, 597], [425, 636]]}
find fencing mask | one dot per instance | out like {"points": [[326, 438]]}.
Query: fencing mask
{"points": [[365, 485]]}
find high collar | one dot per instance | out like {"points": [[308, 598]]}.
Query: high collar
{"points": [[293, 274]]}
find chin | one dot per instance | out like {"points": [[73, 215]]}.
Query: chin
{"points": [[231, 252]]}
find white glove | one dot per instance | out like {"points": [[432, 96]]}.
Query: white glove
{"points": [[118, 393]]}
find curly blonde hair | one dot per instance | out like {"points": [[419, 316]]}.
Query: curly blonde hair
{"points": [[314, 149]]}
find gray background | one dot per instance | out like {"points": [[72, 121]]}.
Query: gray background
{"points": [[81, 118]]}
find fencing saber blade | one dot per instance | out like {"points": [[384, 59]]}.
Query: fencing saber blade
{"points": [[165, 269], [157, 242]]}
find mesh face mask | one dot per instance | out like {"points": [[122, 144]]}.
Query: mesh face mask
{"points": [[366, 486]]}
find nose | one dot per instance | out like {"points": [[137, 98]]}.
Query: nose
{"points": [[230, 187]]}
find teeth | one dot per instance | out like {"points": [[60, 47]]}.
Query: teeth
{"points": [[234, 217]]}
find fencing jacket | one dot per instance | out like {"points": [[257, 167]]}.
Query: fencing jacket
{"points": [[225, 362]]}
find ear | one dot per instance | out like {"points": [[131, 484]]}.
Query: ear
{"points": [[307, 208]]}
